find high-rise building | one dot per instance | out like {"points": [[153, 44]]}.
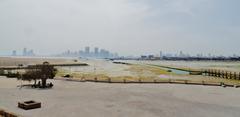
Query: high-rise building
{"points": [[30, 53], [81, 53], [14, 53], [96, 51], [102, 51], [209, 55], [181, 54], [161, 54], [87, 51], [24, 51]]}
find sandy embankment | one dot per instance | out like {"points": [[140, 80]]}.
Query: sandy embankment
{"points": [[15, 61]]}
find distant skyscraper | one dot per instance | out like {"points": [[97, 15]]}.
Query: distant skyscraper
{"points": [[102, 51], [30, 53], [209, 55], [96, 51], [24, 51], [161, 54], [87, 51], [14, 53], [181, 54], [81, 53]]}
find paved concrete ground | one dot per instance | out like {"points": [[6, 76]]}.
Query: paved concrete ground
{"points": [[76, 99]]}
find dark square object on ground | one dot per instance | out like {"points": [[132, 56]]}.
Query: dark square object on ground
{"points": [[27, 105]]}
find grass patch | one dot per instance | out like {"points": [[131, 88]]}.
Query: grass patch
{"points": [[141, 69]]}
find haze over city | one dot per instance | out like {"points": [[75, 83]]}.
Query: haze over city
{"points": [[128, 27]]}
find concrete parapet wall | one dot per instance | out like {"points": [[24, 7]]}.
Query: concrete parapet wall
{"points": [[154, 81]]}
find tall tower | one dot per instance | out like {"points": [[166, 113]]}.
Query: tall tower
{"points": [[14, 53], [24, 51], [96, 51], [181, 54], [87, 51], [31, 53], [161, 54]]}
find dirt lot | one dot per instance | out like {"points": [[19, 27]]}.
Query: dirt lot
{"points": [[233, 66], [74, 99], [15, 61]]}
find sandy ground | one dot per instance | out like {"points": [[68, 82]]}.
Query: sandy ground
{"points": [[75, 99], [101, 67], [15, 61], [221, 65]]}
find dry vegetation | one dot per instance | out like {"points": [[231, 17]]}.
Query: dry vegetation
{"points": [[144, 73], [146, 68]]}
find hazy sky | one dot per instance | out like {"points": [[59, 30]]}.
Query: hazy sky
{"points": [[123, 26]]}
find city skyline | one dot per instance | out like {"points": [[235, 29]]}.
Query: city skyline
{"points": [[96, 52], [25, 52], [31, 52], [88, 52]]}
